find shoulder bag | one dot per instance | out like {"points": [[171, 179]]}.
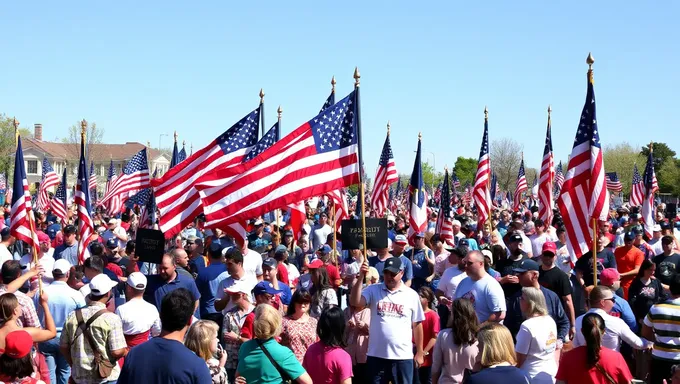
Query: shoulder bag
{"points": [[102, 366], [284, 375]]}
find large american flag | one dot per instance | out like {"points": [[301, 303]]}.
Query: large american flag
{"points": [[520, 186], [83, 208], [545, 187], [417, 199], [480, 191], [178, 200], [58, 205], [584, 195], [613, 182], [49, 180], [444, 226], [384, 177], [637, 188], [21, 215], [651, 186], [134, 178]]}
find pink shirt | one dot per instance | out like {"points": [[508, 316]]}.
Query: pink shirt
{"points": [[441, 262], [328, 365], [357, 340]]}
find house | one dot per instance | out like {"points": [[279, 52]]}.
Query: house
{"points": [[66, 155]]}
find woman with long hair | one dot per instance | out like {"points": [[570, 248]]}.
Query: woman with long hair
{"points": [[645, 291], [202, 339], [298, 329], [497, 357], [537, 338], [456, 347], [423, 374], [323, 294], [326, 361], [593, 363]]}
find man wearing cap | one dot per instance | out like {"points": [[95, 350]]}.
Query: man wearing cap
{"points": [[168, 280], [557, 281], [451, 278], [7, 241], [398, 248], [396, 324], [46, 261], [62, 301], [605, 259], [509, 281], [611, 278], [69, 249], [320, 232], [259, 240], [641, 244], [269, 267], [481, 289], [115, 231], [422, 259], [667, 262], [111, 249], [235, 272], [106, 330], [457, 234], [140, 319], [207, 282], [629, 258]]}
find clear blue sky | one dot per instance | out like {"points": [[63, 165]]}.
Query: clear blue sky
{"points": [[139, 69]]}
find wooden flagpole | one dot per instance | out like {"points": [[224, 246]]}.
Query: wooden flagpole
{"points": [[357, 81], [590, 60]]}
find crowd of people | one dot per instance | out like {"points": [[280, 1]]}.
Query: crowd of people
{"points": [[503, 303]]}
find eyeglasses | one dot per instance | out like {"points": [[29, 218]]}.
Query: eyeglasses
{"points": [[471, 262], [612, 299]]}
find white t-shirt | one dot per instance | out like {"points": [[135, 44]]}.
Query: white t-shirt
{"points": [[5, 255], [320, 235], [537, 339], [392, 318], [47, 262], [138, 316], [526, 244], [117, 231], [252, 263], [485, 294], [450, 279], [537, 243], [228, 281]]}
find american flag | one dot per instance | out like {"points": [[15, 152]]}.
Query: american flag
{"points": [[21, 216], [178, 200], [330, 101], [318, 157], [83, 208], [444, 225], [467, 194], [147, 207], [182, 155], [297, 219], [584, 195], [613, 182], [397, 201], [455, 183], [134, 178], [174, 160], [437, 195], [546, 187], [637, 189], [93, 178], [417, 200], [559, 179], [480, 191], [115, 204], [58, 205], [520, 186], [49, 180], [384, 177], [651, 186], [339, 198]]}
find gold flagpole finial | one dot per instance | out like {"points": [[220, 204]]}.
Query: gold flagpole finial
{"points": [[333, 84], [261, 96], [388, 127], [486, 113], [279, 111], [15, 123], [651, 146], [83, 129], [357, 76], [590, 60]]}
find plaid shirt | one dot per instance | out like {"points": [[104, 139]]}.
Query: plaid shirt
{"points": [[29, 317], [107, 331]]}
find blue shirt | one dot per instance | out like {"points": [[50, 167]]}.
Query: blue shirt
{"points": [[157, 288], [514, 318], [160, 361], [61, 300], [499, 374], [421, 268], [286, 295], [379, 265], [207, 282], [70, 253], [622, 309], [197, 264]]}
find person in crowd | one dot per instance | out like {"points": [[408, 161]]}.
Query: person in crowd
{"points": [[264, 293], [167, 281], [234, 261], [233, 323], [69, 249], [640, 243], [202, 339], [259, 240], [422, 260], [610, 277], [44, 258], [182, 263], [667, 262], [505, 266], [115, 231], [194, 249], [398, 248], [645, 291], [10, 312], [326, 361], [282, 275], [110, 255], [557, 281], [539, 238], [140, 319], [263, 360], [11, 273], [269, 268], [482, 289], [323, 294], [94, 266], [592, 362], [431, 327], [456, 348], [356, 338], [325, 255], [537, 338], [17, 360], [488, 256], [396, 324], [378, 261], [92, 339], [441, 255], [296, 257], [497, 358], [252, 261], [628, 261], [62, 300], [446, 290], [6, 241], [601, 300], [661, 325], [207, 283], [320, 232], [166, 359]]}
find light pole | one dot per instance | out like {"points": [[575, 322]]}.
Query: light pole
{"points": [[159, 140]]}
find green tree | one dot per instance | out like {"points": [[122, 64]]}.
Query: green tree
{"points": [[7, 144], [620, 158], [661, 153], [669, 177], [466, 169]]}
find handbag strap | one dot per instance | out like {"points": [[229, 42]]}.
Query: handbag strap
{"points": [[284, 375], [84, 328], [605, 373]]}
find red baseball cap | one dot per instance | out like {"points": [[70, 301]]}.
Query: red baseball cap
{"points": [[549, 246], [18, 344], [42, 237], [315, 264]]}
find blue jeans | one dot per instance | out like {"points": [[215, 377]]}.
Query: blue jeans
{"points": [[384, 371], [60, 371]]}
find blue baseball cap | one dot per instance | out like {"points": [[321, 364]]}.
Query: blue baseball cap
{"points": [[264, 287], [325, 249], [420, 234]]}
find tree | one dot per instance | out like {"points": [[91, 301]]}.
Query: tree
{"points": [[620, 158], [466, 169], [661, 153], [94, 135], [669, 177], [506, 155]]}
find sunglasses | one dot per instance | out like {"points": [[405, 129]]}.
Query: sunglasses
{"points": [[471, 262], [612, 299]]}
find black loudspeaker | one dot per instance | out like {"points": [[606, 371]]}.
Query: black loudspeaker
{"points": [[671, 211]]}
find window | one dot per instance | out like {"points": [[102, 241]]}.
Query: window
{"points": [[32, 167]]}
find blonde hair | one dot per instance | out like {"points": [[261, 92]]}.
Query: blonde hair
{"points": [[496, 345], [371, 275], [267, 322], [200, 337], [535, 301]]}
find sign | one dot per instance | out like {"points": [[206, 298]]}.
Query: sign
{"points": [[150, 245], [376, 234]]}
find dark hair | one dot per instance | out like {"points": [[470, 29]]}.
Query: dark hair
{"points": [[130, 247], [331, 327], [539, 223], [667, 240], [426, 292], [11, 269], [95, 263], [560, 230], [675, 285], [515, 226], [323, 284], [592, 327], [16, 368], [646, 264], [176, 309], [234, 254], [463, 322], [125, 217], [497, 253], [300, 296], [96, 249]]}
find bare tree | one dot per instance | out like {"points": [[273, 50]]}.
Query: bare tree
{"points": [[94, 135], [506, 155]]}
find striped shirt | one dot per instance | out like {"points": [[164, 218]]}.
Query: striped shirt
{"points": [[29, 317], [664, 318]]}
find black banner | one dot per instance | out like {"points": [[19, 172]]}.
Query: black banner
{"points": [[150, 245], [376, 234]]}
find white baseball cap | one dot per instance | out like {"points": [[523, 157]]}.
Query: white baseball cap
{"points": [[657, 228], [61, 266], [239, 287], [137, 280], [101, 284]]}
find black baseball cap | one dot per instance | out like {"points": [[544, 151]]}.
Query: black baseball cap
{"points": [[269, 262], [526, 265], [112, 243], [69, 230], [514, 237], [394, 265]]}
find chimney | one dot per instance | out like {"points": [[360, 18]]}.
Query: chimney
{"points": [[37, 134]]}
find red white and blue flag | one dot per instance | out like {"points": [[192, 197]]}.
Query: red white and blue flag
{"points": [[545, 187], [83, 207], [114, 205], [49, 180], [58, 205], [480, 191], [444, 226], [134, 178], [93, 178], [559, 179], [21, 215], [637, 188], [520, 186], [339, 199], [651, 186], [613, 182], [384, 177], [417, 200]]}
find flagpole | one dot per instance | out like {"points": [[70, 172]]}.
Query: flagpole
{"points": [[590, 60], [279, 111], [486, 123], [385, 211], [357, 108], [262, 111], [83, 128]]}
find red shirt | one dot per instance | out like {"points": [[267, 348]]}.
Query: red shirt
{"points": [[333, 274], [574, 367], [248, 329], [282, 274], [113, 267], [430, 330], [125, 226]]}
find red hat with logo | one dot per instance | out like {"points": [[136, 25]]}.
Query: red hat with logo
{"points": [[549, 247]]}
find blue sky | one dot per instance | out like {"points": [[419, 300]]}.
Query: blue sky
{"points": [[140, 69]]}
